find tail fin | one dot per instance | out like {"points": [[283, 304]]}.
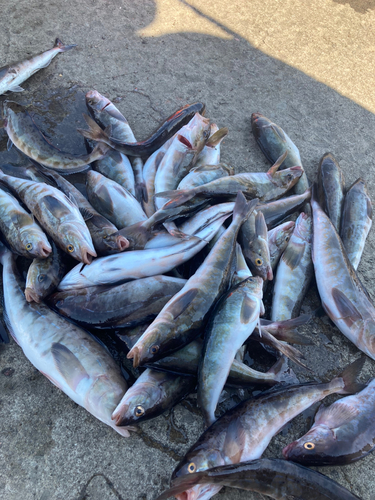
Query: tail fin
{"points": [[282, 371], [349, 376], [285, 330], [242, 209], [177, 197], [94, 133], [62, 47]]}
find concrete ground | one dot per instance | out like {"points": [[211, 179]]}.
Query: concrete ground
{"points": [[306, 65]]}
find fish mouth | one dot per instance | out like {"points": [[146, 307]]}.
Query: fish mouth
{"points": [[118, 416], [43, 251], [287, 449], [296, 169], [269, 274], [88, 256], [122, 243], [135, 354], [31, 295]]}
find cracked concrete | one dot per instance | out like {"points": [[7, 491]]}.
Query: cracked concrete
{"points": [[150, 58]]}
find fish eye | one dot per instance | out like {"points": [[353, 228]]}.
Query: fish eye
{"points": [[70, 248], [154, 349], [139, 411], [258, 262], [192, 467], [289, 177], [286, 238], [309, 446], [41, 277], [29, 246]]}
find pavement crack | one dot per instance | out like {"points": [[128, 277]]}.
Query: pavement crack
{"points": [[83, 494]]}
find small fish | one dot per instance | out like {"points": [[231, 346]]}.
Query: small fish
{"points": [[344, 298], [185, 314], [122, 306], [144, 148], [331, 184], [356, 221], [26, 136], [13, 75], [106, 112], [113, 201], [272, 477], [244, 432], [23, 234], [253, 238], [57, 215], [294, 272], [274, 142], [152, 394], [44, 275], [264, 186], [231, 323], [342, 433]]}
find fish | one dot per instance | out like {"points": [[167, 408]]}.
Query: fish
{"points": [[294, 272], [117, 167], [113, 201], [344, 298], [23, 234], [272, 477], [140, 263], [231, 323], [204, 174], [185, 314], [13, 75], [210, 154], [106, 112], [356, 221], [64, 353], [26, 136], [273, 142], [57, 215], [144, 148], [263, 186], [278, 239], [44, 275], [343, 432], [152, 394], [276, 211], [331, 184], [104, 234], [120, 306], [253, 238], [244, 432]]}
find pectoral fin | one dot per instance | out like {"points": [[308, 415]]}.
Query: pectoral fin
{"points": [[9, 144], [15, 88], [248, 308], [293, 254], [335, 415], [275, 167], [261, 226], [347, 310], [68, 365], [182, 302], [86, 214], [55, 207]]}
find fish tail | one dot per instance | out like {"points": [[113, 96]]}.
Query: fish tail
{"points": [[62, 47], [177, 197], [281, 370], [243, 209], [94, 133], [349, 376], [102, 149]]}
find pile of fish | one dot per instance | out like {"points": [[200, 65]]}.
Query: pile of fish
{"points": [[173, 246]]}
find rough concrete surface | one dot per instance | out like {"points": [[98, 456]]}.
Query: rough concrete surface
{"points": [[151, 58]]}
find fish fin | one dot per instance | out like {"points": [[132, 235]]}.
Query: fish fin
{"points": [[335, 415], [68, 365], [112, 111], [22, 219], [216, 138], [278, 131], [349, 376], [9, 144], [73, 200], [261, 226], [15, 88], [63, 48], [290, 352], [179, 305], [86, 214], [275, 167], [95, 132], [177, 197], [293, 254], [242, 209], [347, 310], [55, 206], [248, 309]]}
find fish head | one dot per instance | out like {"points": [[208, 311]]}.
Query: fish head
{"points": [[282, 236], [257, 256], [303, 227], [11, 108], [140, 402], [75, 240], [100, 104], [155, 346], [314, 448], [287, 178], [199, 458], [35, 242], [115, 243], [39, 281]]}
